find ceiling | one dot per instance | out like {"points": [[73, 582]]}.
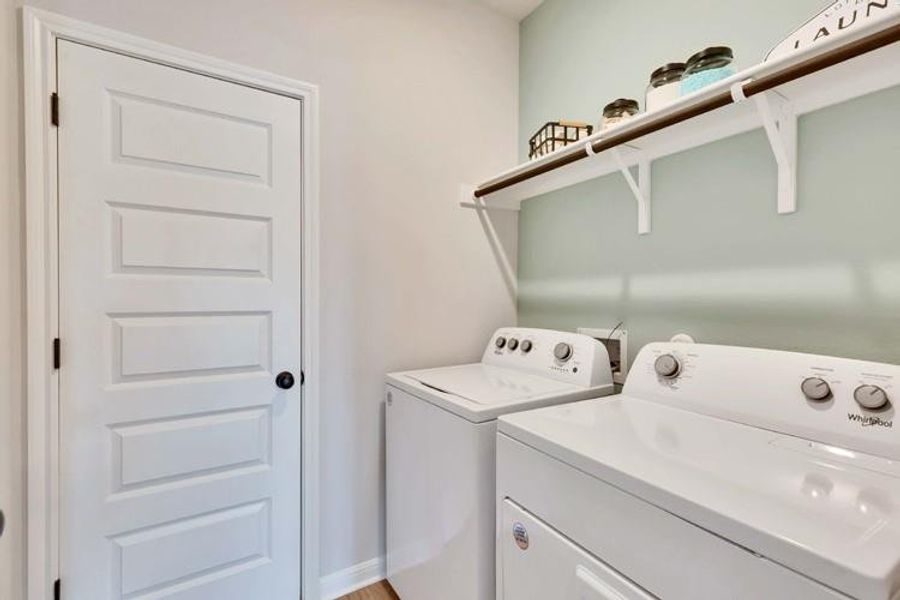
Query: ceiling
{"points": [[517, 9]]}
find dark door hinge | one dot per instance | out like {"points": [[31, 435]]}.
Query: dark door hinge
{"points": [[56, 592], [54, 109], [56, 353]]}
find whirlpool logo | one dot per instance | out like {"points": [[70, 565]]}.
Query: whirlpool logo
{"points": [[869, 421]]}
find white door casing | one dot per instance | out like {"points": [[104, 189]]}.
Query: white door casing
{"points": [[179, 281]]}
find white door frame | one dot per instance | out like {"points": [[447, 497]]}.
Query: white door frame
{"points": [[40, 32]]}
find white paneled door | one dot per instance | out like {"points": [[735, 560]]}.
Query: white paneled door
{"points": [[179, 207]]}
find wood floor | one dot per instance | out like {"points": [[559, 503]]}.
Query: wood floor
{"points": [[380, 591]]}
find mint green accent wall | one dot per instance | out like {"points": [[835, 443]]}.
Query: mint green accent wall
{"points": [[720, 264]]}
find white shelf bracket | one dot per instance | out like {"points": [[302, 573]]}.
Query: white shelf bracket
{"points": [[640, 188], [498, 249], [780, 122]]}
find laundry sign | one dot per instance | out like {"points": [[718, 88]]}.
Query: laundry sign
{"points": [[839, 18]]}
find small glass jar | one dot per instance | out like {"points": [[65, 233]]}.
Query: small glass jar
{"points": [[707, 67], [617, 112], [665, 86]]}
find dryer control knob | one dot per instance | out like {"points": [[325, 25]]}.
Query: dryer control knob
{"points": [[562, 351], [667, 366], [513, 344], [870, 396], [816, 389], [526, 346], [500, 341]]}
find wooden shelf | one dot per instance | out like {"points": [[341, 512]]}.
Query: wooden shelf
{"points": [[769, 95]]}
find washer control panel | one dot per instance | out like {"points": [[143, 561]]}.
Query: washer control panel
{"points": [[845, 402], [564, 356]]}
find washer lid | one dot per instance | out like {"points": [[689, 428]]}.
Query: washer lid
{"points": [[480, 392], [488, 385], [829, 513]]}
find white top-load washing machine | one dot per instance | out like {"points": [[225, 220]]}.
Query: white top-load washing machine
{"points": [[719, 472], [441, 436]]}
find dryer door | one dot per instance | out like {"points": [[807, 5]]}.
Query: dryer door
{"points": [[538, 563]]}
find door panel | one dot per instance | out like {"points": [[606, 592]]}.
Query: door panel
{"points": [[180, 201], [147, 453], [152, 132], [170, 552], [166, 346], [159, 241]]}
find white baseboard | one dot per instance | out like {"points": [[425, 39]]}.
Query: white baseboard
{"points": [[352, 578]]}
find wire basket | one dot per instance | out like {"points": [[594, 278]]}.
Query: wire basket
{"points": [[557, 134]]}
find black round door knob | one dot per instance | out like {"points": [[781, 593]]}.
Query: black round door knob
{"points": [[285, 380]]}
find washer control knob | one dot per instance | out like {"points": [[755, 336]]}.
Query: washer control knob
{"points": [[512, 344], [667, 366], [526, 346], [500, 342], [870, 396], [562, 351], [816, 389]]}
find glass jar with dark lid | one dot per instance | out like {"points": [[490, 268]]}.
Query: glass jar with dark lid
{"points": [[707, 66], [665, 86], [617, 111]]}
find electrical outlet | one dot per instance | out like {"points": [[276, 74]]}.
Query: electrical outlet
{"points": [[616, 342]]}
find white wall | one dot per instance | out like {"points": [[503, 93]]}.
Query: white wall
{"points": [[416, 97]]}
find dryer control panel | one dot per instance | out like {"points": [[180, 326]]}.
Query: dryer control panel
{"points": [[845, 402], [571, 357]]}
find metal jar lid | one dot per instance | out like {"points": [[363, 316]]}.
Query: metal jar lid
{"points": [[622, 105], [668, 73], [667, 69], [723, 52]]}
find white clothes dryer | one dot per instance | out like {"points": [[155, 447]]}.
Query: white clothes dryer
{"points": [[719, 472]]}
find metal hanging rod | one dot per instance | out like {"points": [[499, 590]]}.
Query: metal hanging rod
{"points": [[764, 83]]}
